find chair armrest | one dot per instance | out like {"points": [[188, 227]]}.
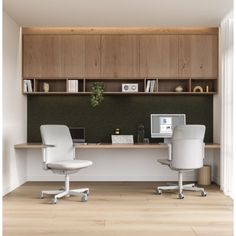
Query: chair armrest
{"points": [[203, 150], [74, 152], [44, 151], [169, 151]]}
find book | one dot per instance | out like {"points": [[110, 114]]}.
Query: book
{"points": [[73, 86], [25, 86], [148, 86], [28, 86], [152, 86], [30, 89]]}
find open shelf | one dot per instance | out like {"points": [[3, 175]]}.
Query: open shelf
{"points": [[113, 86]]}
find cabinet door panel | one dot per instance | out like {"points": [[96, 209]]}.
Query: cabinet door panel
{"points": [[41, 56], [159, 55], [198, 56], [120, 56], [92, 56], [73, 53]]}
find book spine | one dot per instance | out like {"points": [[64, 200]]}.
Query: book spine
{"points": [[25, 86], [152, 86], [148, 86], [28, 86], [76, 86]]}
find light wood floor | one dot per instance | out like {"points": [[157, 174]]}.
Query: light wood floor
{"points": [[117, 209]]}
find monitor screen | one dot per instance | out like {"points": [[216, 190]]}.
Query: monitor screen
{"points": [[162, 125], [78, 134]]}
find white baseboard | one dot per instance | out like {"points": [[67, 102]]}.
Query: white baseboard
{"points": [[9, 189]]}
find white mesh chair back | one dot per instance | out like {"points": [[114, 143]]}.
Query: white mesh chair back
{"points": [[60, 137], [188, 147]]}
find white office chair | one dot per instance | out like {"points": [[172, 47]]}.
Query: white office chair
{"points": [[186, 154], [58, 156]]}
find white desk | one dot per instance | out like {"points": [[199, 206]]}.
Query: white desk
{"points": [[137, 162], [109, 146]]}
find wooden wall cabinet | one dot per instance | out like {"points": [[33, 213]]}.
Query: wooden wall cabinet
{"points": [[61, 56], [187, 59], [159, 55], [198, 56], [119, 56]]}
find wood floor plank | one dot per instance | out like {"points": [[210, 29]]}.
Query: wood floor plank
{"points": [[120, 208]]}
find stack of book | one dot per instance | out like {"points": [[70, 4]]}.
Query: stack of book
{"points": [[151, 86], [28, 86], [73, 86]]}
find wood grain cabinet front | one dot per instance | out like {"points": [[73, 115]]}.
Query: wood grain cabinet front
{"points": [[41, 56], [198, 56], [120, 56], [159, 55], [61, 56]]}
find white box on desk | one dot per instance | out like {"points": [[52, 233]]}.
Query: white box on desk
{"points": [[122, 139]]}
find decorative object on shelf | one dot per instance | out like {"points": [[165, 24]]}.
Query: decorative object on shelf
{"points": [[130, 88], [46, 87], [179, 89], [141, 133], [97, 90], [117, 131], [207, 89], [198, 89]]}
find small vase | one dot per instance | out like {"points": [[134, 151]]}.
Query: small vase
{"points": [[46, 87]]}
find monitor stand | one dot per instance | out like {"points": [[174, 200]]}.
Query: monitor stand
{"points": [[167, 140]]}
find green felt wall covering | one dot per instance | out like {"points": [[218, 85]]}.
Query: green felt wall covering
{"points": [[124, 112]]}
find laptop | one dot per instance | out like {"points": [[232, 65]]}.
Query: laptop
{"points": [[77, 134]]}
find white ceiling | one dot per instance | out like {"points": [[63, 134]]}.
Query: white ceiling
{"points": [[119, 13]]}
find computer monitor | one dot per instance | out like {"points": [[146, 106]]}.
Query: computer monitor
{"points": [[77, 134], [162, 125]]}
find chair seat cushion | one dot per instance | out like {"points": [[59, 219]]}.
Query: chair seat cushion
{"points": [[69, 165], [164, 162]]}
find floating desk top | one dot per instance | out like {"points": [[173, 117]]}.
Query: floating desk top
{"points": [[108, 146]]}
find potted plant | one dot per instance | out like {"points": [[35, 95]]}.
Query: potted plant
{"points": [[97, 90]]}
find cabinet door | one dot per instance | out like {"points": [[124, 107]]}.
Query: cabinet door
{"points": [[41, 56], [80, 56], [73, 53], [119, 56], [198, 56], [92, 67], [159, 55]]}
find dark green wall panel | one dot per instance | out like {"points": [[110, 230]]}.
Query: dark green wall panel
{"points": [[124, 112]]}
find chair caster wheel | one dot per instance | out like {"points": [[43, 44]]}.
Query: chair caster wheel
{"points": [[158, 192], [53, 201], [181, 196], [86, 192], [84, 198], [203, 194]]}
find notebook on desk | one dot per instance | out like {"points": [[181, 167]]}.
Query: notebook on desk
{"points": [[77, 134]]}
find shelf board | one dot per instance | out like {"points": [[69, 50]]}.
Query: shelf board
{"points": [[123, 93]]}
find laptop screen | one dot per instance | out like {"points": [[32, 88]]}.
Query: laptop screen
{"points": [[78, 134]]}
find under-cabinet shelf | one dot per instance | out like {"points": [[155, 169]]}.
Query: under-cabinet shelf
{"points": [[113, 86]]}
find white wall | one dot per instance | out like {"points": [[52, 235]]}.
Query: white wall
{"points": [[14, 108]]}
